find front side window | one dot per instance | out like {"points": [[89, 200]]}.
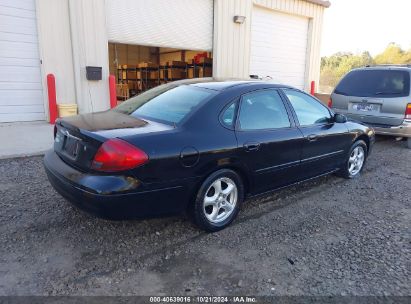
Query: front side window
{"points": [[263, 110], [165, 104], [309, 111]]}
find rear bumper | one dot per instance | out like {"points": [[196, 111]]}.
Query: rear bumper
{"points": [[403, 130], [114, 197]]}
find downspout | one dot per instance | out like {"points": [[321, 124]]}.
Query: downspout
{"points": [[212, 42], [76, 63]]}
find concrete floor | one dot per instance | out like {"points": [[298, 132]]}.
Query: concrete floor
{"points": [[25, 138]]}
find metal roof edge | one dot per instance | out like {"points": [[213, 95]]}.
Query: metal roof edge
{"points": [[320, 2]]}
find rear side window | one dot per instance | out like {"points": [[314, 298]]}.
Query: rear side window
{"points": [[228, 116], [263, 110], [375, 83]]}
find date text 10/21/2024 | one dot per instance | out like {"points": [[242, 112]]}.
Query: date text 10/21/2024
{"points": [[203, 299]]}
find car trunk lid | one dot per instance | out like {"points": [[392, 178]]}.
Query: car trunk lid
{"points": [[79, 137]]}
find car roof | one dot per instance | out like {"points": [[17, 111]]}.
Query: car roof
{"points": [[406, 67], [220, 84]]}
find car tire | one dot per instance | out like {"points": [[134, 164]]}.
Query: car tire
{"points": [[409, 142], [218, 200], [355, 160]]}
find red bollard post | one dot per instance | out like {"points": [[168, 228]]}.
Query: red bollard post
{"points": [[51, 90], [112, 89], [312, 90]]}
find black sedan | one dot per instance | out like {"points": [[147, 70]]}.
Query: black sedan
{"points": [[202, 147]]}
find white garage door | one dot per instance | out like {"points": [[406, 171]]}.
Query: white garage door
{"points": [[279, 46], [181, 24], [20, 81]]}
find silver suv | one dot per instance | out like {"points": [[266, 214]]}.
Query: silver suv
{"points": [[378, 96]]}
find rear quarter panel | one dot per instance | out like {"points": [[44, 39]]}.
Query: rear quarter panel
{"points": [[205, 143]]}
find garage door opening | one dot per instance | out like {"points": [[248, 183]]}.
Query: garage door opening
{"points": [[138, 68]]}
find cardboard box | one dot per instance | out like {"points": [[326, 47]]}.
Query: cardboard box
{"points": [[204, 60], [131, 74], [149, 75], [205, 72], [142, 74], [153, 75], [163, 73], [126, 66], [176, 73], [130, 84], [192, 73], [147, 65], [122, 91], [177, 63], [123, 74]]}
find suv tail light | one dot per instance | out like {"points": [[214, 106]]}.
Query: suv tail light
{"points": [[330, 102], [408, 111], [118, 155]]}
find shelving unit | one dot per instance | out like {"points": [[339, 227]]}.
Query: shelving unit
{"points": [[145, 75]]}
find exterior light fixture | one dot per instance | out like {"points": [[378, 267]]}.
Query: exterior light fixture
{"points": [[239, 19]]}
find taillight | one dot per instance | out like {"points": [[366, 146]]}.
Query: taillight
{"points": [[55, 131], [408, 111], [118, 155], [330, 102]]}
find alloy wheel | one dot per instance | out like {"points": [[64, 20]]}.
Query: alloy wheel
{"points": [[356, 160], [220, 200]]}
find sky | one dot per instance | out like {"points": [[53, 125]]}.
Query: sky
{"points": [[366, 25]]}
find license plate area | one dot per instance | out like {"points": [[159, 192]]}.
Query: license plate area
{"points": [[67, 144], [365, 107], [71, 147]]}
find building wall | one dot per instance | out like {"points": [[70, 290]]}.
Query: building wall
{"points": [[232, 41], [72, 35], [90, 48], [55, 49], [231, 49]]}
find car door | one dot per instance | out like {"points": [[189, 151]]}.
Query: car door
{"points": [[269, 142], [325, 141]]}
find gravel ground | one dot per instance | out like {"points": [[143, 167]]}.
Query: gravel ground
{"points": [[325, 237]]}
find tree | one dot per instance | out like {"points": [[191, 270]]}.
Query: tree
{"points": [[393, 54], [334, 67]]}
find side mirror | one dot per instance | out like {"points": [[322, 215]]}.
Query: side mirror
{"points": [[340, 118]]}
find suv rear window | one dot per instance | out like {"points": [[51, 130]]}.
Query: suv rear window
{"points": [[375, 83]]}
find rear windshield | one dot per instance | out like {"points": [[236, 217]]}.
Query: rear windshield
{"points": [[165, 104], [375, 83]]}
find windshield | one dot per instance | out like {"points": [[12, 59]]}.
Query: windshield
{"points": [[167, 103], [375, 83]]}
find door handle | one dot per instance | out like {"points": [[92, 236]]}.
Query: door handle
{"points": [[252, 146], [312, 137]]}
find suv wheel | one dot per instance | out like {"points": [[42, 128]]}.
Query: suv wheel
{"points": [[218, 200]]}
